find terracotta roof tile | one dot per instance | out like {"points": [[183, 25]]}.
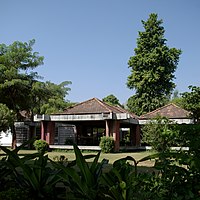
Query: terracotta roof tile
{"points": [[171, 111]]}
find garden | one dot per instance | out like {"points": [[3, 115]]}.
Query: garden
{"points": [[161, 174]]}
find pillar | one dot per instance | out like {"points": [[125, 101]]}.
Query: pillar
{"points": [[48, 131], [78, 133], [43, 130], [50, 134], [107, 129], [135, 135], [115, 133]]}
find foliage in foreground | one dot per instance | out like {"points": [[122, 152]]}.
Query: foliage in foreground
{"points": [[175, 176]]}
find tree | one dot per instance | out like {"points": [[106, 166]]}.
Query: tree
{"points": [[111, 100], [16, 64], [191, 102], [152, 68], [6, 118], [20, 88], [53, 98], [177, 99]]}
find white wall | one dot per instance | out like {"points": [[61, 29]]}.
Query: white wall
{"points": [[6, 138]]}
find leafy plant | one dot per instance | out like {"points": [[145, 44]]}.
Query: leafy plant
{"points": [[117, 183], [191, 101], [175, 180], [41, 146], [31, 172], [81, 177], [107, 144], [160, 133]]}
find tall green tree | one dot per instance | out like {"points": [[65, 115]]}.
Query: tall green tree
{"points": [[152, 68], [20, 88], [191, 102], [17, 62], [112, 100]]}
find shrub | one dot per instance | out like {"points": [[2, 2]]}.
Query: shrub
{"points": [[41, 146], [160, 133], [107, 144]]}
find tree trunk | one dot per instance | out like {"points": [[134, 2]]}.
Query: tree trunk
{"points": [[14, 138]]}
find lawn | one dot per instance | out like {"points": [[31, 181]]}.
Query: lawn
{"points": [[112, 157]]}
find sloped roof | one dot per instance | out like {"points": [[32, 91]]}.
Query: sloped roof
{"points": [[94, 106], [171, 111]]}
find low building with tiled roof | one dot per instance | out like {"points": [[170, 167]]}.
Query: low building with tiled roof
{"points": [[93, 119], [171, 111]]}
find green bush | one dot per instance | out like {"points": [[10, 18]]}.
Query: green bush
{"points": [[107, 144], [41, 146], [160, 133], [189, 134]]}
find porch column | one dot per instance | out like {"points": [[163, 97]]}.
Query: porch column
{"points": [[116, 134], [78, 133], [107, 129], [43, 130], [135, 135], [50, 133]]}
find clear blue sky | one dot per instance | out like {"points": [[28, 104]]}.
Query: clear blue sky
{"points": [[89, 42]]}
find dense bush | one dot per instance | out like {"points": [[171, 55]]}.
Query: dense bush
{"points": [[107, 144], [41, 146], [160, 133], [189, 135]]}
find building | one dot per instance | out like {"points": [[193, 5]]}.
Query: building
{"points": [[85, 123], [171, 111], [90, 120]]}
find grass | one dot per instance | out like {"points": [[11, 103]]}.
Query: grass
{"points": [[112, 157]]}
